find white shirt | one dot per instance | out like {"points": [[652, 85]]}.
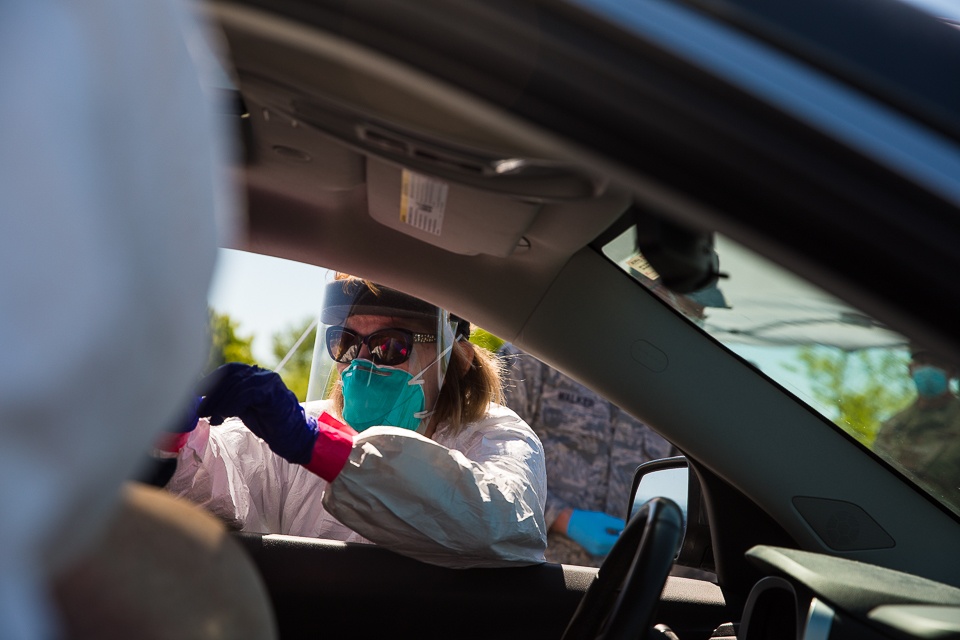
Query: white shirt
{"points": [[470, 499]]}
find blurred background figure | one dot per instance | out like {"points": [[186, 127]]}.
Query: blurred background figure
{"points": [[110, 192], [918, 439], [592, 450]]}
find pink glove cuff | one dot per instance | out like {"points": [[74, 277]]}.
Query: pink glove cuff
{"points": [[332, 448], [172, 442]]}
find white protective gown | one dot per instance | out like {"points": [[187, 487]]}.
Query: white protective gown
{"points": [[109, 184], [474, 499]]}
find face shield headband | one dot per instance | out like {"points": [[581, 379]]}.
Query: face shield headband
{"points": [[345, 298]]}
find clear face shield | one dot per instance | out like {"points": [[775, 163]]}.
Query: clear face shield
{"points": [[381, 356]]}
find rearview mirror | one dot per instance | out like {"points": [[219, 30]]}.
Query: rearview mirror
{"points": [[683, 257]]}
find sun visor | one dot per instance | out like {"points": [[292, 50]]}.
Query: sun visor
{"points": [[451, 216]]}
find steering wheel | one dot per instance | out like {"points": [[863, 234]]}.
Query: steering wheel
{"points": [[620, 602]]}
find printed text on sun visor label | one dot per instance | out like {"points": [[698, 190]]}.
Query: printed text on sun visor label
{"points": [[422, 202]]}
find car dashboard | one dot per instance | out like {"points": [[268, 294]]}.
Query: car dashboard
{"points": [[810, 596]]}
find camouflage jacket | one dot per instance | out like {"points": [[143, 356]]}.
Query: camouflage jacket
{"points": [[925, 444], [592, 447]]}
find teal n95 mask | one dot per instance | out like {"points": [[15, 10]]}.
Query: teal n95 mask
{"points": [[379, 395]]}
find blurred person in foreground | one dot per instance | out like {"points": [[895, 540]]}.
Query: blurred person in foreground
{"points": [[109, 188]]}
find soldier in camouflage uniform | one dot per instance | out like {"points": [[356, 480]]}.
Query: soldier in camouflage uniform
{"points": [[924, 438], [592, 450]]}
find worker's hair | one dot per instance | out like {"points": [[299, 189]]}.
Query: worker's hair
{"points": [[469, 386], [464, 397]]}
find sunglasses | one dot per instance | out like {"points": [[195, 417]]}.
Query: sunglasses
{"points": [[388, 347]]}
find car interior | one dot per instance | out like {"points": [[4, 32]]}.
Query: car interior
{"points": [[534, 167]]}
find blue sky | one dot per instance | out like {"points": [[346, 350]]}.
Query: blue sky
{"points": [[265, 295]]}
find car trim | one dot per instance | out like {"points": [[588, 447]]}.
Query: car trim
{"points": [[874, 130]]}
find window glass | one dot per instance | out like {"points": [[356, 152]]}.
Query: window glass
{"points": [[263, 310], [893, 398]]}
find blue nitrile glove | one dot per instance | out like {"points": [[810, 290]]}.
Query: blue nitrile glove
{"points": [[188, 419], [595, 531], [260, 399]]}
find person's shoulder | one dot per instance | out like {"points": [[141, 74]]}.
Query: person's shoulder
{"points": [[498, 417], [500, 424], [502, 419], [498, 413]]}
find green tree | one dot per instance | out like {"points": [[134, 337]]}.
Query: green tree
{"points": [[225, 344], [862, 388], [296, 369], [486, 339]]}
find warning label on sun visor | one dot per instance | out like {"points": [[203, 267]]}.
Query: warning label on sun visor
{"points": [[422, 202]]}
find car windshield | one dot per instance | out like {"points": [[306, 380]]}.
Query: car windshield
{"points": [[894, 399]]}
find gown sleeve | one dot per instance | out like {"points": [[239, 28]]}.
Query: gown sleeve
{"points": [[472, 499], [233, 474], [475, 499]]}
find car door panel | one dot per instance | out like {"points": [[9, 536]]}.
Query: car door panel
{"points": [[316, 584]]}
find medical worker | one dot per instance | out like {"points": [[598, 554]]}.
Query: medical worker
{"points": [[413, 450]]}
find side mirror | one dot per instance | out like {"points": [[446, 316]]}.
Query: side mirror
{"points": [[672, 478], [667, 478]]}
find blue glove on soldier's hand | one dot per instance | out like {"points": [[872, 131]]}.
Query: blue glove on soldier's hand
{"points": [[594, 531], [260, 399]]}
